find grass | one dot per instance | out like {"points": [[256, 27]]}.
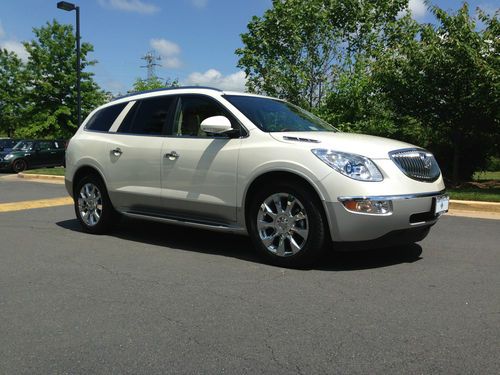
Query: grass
{"points": [[485, 187], [475, 194], [56, 171], [480, 176]]}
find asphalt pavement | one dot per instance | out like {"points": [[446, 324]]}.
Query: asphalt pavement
{"points": [[159, 299]]}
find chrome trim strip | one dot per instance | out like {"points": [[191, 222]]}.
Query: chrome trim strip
{"points": [[207, 226], [391, 197]]}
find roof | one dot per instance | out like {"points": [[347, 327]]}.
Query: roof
{"points": [[166, 89]]}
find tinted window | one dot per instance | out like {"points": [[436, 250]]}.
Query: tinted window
{"points": [[23, 146], [148, 116], [191, 111], [103, 119], [45, 145], [272, 115]]}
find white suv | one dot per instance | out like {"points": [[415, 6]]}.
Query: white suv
{"points": [[250, 164]]}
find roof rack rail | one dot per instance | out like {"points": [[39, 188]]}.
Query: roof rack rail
{"points": [[166, 89]]}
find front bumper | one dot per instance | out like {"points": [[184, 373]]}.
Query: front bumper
{"points": [[5, 164], [409, 211]]}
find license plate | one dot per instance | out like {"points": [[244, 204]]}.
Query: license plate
{"points": [[442, 204]]}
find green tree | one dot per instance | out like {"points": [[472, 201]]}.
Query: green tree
{"points": [[152, 84], [12, 88], [51, 96], [447, 77], [299, 49]]}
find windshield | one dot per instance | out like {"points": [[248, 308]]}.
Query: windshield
{"points": [[272, 115], [23, 146]]}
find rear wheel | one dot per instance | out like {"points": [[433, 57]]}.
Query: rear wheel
{"points": [[19, 165], [93, 207], [286, 225]]}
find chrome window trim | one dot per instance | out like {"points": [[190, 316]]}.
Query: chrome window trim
{"points": [[392, 197]]}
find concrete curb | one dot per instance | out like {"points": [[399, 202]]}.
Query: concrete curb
{"points": [[474, 206], [49, 177], [455, 205]]}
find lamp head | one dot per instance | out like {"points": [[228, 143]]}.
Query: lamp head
{"points": [[64, 5]]}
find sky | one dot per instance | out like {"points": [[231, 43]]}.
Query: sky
{"points": [[195, 39]]}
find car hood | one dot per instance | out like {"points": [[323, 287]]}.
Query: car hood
{"points": [[361, 144]]}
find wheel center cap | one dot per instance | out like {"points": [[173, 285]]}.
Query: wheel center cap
{"points": [[283, 222]]}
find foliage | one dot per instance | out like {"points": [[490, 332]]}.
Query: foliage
{"points": [[300, 48], [447, 77], [152, 84], [50, 98], [12, 85]]}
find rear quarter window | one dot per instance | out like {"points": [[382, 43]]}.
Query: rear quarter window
{"points": [[104, 118]]}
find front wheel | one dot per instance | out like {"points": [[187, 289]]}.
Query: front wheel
{"points": [[286, 225], [19, 165], [93, 207]]}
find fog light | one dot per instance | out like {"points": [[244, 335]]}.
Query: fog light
{"points": [[367, 206]]}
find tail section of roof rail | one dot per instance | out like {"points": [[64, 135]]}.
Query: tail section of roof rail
{"points": [[167, 89]]}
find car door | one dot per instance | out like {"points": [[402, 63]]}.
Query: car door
{"points": [[43, 154], [134, 156], [58, 148], [199, 169]]}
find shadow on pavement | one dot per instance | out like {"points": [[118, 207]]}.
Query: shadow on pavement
{"points": [[240, 247]]}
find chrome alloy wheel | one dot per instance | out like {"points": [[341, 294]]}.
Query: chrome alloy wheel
{"points": [[282, 224], [90, 204]]}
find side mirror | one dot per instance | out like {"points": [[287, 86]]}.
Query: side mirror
{"points": [[216, 124]]}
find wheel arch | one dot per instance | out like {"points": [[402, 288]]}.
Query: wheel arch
{"points": [[283, 175], [85, 170]]}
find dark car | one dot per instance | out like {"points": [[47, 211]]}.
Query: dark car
{"points": [[7, 144], [28, 154]]}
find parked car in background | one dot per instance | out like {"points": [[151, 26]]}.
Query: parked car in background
{"points": [[6, 144], [245, 163], [28, 154]]}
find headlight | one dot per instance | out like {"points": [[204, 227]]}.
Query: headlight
{"points": [[354, 166], [8, 157]]}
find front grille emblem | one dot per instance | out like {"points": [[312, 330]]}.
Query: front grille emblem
{"points": [[426, 160]]}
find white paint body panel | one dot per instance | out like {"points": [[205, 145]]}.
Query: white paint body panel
{"points": [[209, 179]]}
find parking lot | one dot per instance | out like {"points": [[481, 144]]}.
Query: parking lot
{"points": [[153, 298]]}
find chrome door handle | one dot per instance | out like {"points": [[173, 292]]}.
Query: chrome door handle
{"points": [[117, 151], [172, 155]]}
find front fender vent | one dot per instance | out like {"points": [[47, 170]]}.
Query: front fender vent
{"points": [[300, 139], [417, 164]]}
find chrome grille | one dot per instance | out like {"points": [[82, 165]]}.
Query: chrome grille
{"points": [[417, 164]]}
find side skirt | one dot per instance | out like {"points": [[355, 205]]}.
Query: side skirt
{"points": [[219, 227]]}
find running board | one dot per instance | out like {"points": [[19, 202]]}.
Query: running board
{"points": [[219, 227]]}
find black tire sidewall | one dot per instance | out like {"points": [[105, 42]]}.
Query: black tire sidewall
{"points": [[19, 161], [315, 243], [108, 212]]}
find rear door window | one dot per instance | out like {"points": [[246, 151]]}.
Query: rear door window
{"points": [[104, 118], [148, 116]]}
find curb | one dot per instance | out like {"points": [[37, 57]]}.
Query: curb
{"points": [[455, 205], [460, 205], [49, 177]]}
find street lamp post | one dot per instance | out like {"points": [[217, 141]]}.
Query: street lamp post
{"points": [[69, 7]]}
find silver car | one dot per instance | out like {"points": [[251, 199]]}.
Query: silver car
{"points": [[250, 164]]}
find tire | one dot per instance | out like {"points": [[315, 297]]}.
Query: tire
{"points": [[286, 225], [92, 205], [19, 165]]}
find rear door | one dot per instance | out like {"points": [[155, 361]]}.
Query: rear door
{"points": [[134, 156]]}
